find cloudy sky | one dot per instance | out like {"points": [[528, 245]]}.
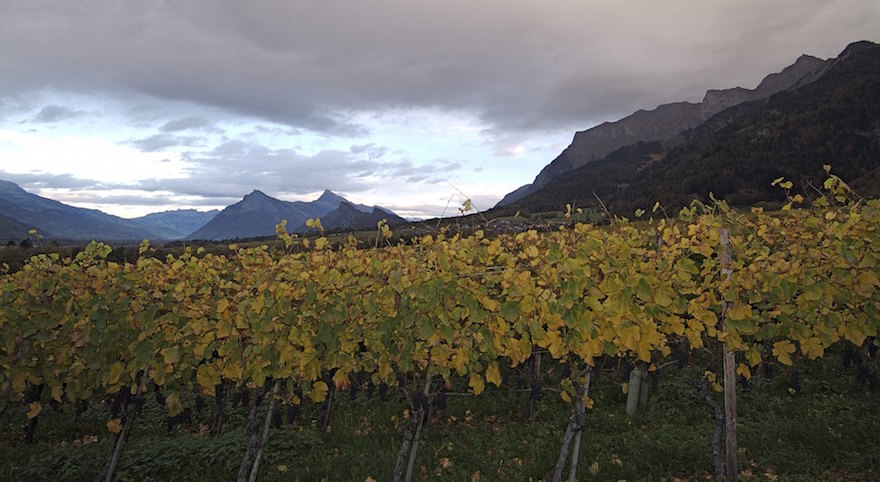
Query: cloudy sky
{"points": [[146, 105]]}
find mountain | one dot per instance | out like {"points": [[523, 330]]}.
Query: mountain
{"points": [[254, 216], [664, 123], [12, 230], [736, 154], [174, 224], [348, 217], [55, 220], [257, 214]]}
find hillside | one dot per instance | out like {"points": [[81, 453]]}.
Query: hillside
{"points": [[56, 220], [737, 153], [175, 224], [665, 122], [12, 230]]}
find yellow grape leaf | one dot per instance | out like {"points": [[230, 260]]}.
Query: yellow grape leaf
{"points": [[753, 356], [565, 396], [662, 298], [594, 468], [629, 338], [459, 360], [554, 343], [340, 379], [319, 392], [493, 375], [207, 378], [651, 339], [171, 354], [694, 338], [743, 370], [385, 370], [812, 348], [115, 425], [257, 304], [321, 243], [116, 370], [852, 333], [588, 403], [222, 305], [172, 401], [232, 371], [35, 409], [57, 392], [532, 251], [19, 382], [739, 311], [782, 350], [476, 382]]}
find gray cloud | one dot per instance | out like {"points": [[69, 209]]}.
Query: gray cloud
{"points": [[57, 113], [518, 65], [44, 180], [159, 142], [188, 123], [235, 167]]}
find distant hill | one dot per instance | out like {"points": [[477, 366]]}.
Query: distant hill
{"points": [[174, 224], [257, 214], [833, 119], [664, 123], [347, 217], [12, 230], [55, 220]]}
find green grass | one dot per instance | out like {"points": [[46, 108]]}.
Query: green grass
{"points": [[827, 431]]}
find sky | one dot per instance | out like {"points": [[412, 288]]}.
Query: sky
{"points": [[141, 106]]}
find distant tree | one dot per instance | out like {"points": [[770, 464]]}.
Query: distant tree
{"points": [[26, 243], [10, 243]]}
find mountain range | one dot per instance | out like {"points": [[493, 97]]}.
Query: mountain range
{"points": [[828, 115], [254, 216], [257, 214], [55, 220], [664, 122]]}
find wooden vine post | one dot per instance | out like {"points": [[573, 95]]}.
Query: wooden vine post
{"points": [[729, 372], [413, 432], [575, 427]]}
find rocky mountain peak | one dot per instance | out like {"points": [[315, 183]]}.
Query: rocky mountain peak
{"points": [[329, 196]]}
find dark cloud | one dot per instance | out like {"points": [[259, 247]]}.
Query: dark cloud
{"points": [[57, 113], [518, 65]]}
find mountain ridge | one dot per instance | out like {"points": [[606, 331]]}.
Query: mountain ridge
{"points": [[257, 214], [664, 122], [56, 220], [735, 154], [174, 224]]}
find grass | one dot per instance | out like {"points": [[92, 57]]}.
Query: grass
{"points": [[825, 431]]}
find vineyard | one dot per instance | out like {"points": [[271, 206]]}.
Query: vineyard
{"points": [[287, 329]]}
